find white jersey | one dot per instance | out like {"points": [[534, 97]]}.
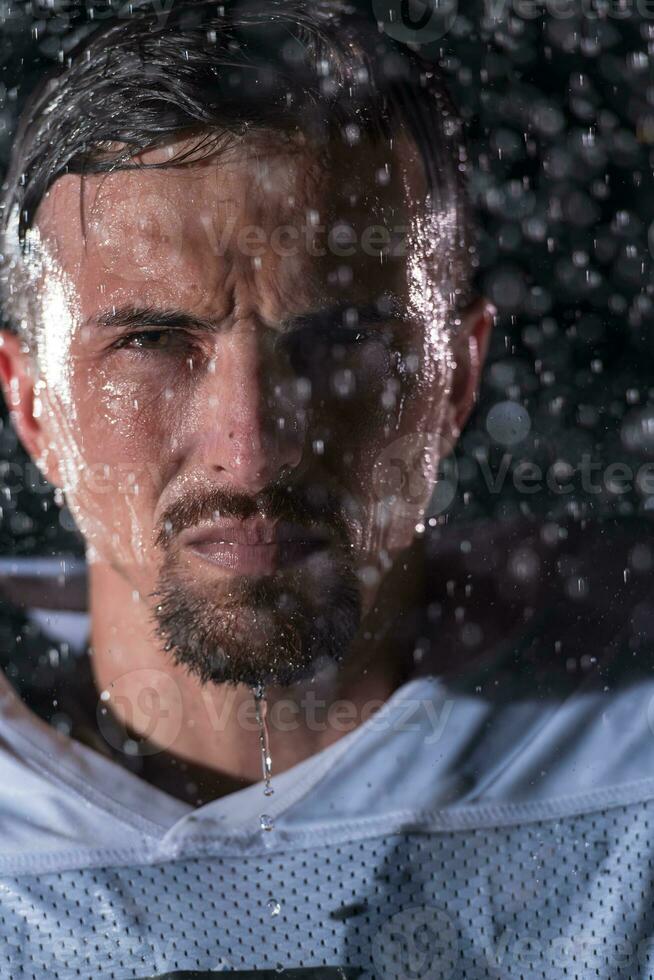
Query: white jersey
{"points": [[498, 826]]}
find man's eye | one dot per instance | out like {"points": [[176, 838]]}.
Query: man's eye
{"points": [[153, 340]]}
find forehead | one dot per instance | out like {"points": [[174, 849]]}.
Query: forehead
{"points": [[287, 223]]}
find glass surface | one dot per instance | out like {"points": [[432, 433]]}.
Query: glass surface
{"points": [[326, 634]]}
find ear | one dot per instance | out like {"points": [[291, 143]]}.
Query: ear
{"points": [[18, 379], [470, 349]]}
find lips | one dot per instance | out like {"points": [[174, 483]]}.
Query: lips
{"points": [[253, 546]]}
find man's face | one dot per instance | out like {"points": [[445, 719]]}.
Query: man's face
{"points": [[227, 369]]}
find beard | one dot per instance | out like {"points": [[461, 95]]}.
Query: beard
{"points": [[271, 630]]}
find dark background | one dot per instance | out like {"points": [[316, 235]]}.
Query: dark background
{"points": [[560, 116]]}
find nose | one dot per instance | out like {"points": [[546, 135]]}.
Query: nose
{"points": [[251, 433]]}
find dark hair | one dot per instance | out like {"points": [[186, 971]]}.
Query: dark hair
{"points": [[218, 72]]}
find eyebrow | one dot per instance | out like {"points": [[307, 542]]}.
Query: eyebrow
{"points": [[131, 317], [140, 317]]}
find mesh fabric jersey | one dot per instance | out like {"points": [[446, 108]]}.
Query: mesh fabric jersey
{"points": [[496, 825]]}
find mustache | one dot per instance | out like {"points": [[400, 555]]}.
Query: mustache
{"points": [[311, 507]]}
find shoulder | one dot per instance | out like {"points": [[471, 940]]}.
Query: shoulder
{"points": [[541, 638]]}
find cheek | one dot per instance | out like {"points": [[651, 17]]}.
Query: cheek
{"points": [[111, 440], [366, 400], [389, 459], [353, 389], [129, 423]]}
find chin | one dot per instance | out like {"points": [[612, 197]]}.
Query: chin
{"points": [[270, 631]]}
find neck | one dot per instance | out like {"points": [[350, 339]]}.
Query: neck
{"points": [[202, 741]]}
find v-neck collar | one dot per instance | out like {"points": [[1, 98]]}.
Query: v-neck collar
{"points": [[127, 797]]}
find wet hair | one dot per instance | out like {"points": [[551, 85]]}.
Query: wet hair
{"points": [[218, 72]]}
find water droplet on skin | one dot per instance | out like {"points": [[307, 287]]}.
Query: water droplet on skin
{"points": [[261, 707], [343, 383]]}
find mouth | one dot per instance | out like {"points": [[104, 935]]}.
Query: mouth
{"points": [[253, 546]]}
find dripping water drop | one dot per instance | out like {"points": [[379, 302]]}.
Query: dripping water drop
{"points": [[261, 708]]}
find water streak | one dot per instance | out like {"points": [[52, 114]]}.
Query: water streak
{"points": [[261, 708]]}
